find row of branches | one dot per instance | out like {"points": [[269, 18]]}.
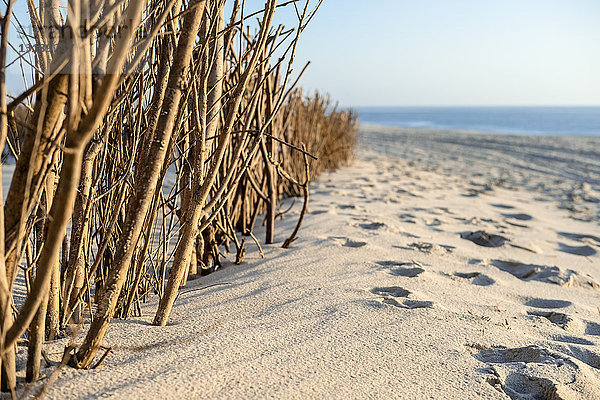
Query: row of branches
{"points": [[154, 135]]}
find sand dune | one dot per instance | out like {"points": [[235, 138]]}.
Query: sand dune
{"points": [[398, 286]]}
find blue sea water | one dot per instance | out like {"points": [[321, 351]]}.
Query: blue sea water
{"points": [[511, 120]]}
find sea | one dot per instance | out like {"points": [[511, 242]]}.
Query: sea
{"points": [[508, 120]]}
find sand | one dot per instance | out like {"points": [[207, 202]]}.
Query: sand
{"points": [[394, 288]]}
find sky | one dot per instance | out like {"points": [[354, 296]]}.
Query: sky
{"points": [[455, 52], [449, 52]]}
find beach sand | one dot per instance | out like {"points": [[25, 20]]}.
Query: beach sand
{"points": [[441, 265]]}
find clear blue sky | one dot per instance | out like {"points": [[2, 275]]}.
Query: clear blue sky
{"points": [[455, 52], [450, 52]]}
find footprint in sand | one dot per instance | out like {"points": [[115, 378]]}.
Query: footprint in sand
{"points": [[503, 206], [433, 222], [317, 212], [471, 193], [412, 304], [391, 263], [484, 239], [346, 206], [528, 354], [533, 372], [477, 189], [407, 272], [445, 210], [543, 273], [476, 278], [428, 248], [586, 250], [407, 303], [512, 218], [391, 293], [354, 244], [536, 302], [519, 216], [568, 322], [404, 269], [372, 226], [473, 261], [346, 242], [407, 218], [406, 192], [394, 291]]}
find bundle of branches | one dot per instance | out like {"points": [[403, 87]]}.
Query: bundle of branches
{"points": [[153, 133], [327, 133], [306, 129]]}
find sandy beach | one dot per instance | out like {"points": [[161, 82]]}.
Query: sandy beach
{"points": [[444, 265]]}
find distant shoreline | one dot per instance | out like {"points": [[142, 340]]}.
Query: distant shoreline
{"points": [[370, 125], [531, 120]]}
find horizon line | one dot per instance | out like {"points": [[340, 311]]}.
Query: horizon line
{"points": [[473, 106]]}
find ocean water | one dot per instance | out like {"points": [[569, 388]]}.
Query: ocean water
{"points": [[510, 120]]}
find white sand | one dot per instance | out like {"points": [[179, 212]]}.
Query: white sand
{"points": [[380, 297]]}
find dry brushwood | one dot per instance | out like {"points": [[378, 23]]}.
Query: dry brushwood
{"points": [[143, 154]]}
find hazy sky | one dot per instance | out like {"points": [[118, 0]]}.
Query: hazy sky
{"points": [[455, 52], [450, 52]]}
